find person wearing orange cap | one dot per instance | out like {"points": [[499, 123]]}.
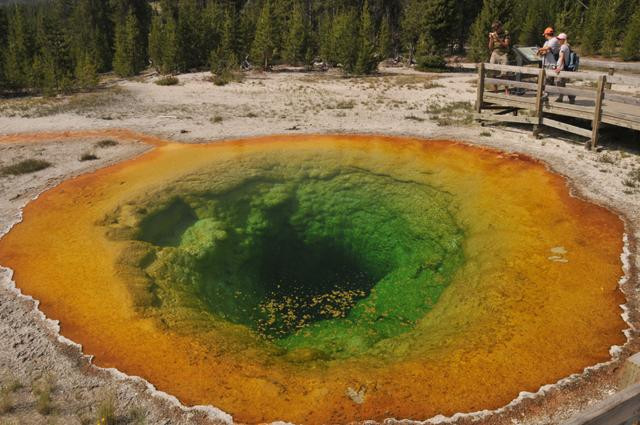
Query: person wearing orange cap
{"points": [[549, 53]]}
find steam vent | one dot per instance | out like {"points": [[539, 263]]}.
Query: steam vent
{"points": [[327, 279]]}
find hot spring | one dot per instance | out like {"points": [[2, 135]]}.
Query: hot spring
{"points": [[318, 279]]}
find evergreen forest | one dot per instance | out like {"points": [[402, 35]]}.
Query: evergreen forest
{"points": [[57, 46]]}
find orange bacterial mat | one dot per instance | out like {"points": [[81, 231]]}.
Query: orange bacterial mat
{"points": [[473, 275]]}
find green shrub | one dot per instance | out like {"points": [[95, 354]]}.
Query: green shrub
{"points": [[44, 404], [169, 80], [88, 157], [107, 412], [25, 167], [106, 143], [137, 416], [6, 401], [227, 76], [431, 63]]}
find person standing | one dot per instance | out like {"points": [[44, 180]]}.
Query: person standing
{"points": [[562, 64], [499, 45], [549, 53], [550, 50]]}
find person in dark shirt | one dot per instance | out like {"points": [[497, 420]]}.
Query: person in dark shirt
{"points": [[499, 45]]}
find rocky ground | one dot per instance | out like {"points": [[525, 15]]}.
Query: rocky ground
{"points": [[45, 380]]}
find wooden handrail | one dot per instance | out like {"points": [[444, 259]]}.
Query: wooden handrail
{"points": [[615, 410], [608, 106], [511, 83], [510, 68]]}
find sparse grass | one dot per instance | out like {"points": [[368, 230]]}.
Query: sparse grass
{"points": [[345, 104], [606, 158], [137, 416], [251, 115], [414, 118], [107, 143], [85, 104], [25, 167], [169, 80], [453, 113], [227, 77], [6, 401], [14, 385], [88, 157], [6, 395], [217, 119], [42, 391], [633, 179], [106, 414]]}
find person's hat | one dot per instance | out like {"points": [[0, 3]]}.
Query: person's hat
{"points": [[562, 36], [548, 31]]}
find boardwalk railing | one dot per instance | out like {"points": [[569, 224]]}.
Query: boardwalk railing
{"points": [[621, 409], [531, 92]]}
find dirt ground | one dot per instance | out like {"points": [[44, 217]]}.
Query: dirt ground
{"points": [[45, 380]]}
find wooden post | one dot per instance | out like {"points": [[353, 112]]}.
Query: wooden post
{"points": [[630, 373], [539, 102], [612, 71], [480, 96], [597, 114]]}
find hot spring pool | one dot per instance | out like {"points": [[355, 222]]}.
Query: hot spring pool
{"points": [[319, 279]]}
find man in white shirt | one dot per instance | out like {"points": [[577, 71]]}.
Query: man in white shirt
{"points": [[550, 50], [549, 53]]}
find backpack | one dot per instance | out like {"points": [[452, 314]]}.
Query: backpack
{"points": [[574, 61]]}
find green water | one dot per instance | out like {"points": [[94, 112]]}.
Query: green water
{"points": [[330, 262]]}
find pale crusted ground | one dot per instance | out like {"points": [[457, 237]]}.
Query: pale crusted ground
{"points": [[399, 102]]}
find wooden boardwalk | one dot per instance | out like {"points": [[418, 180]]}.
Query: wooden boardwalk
{"points": [[600, 98]]}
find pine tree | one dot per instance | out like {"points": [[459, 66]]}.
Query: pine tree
{"points": [[170, 53], [467, 12], [212, 27], [631, 42], [86, 73], [263, 43], [536, 18], [442, 17], [128, 56], [385, 40], [492, 10], [17, 62], [611, 23], [592, 31], [189, 35], [53, 68], [90, 33], [427, 58], [3, 45], [281, 11], [326, 40], [367, 60], [297, 38], [413, 26], [224, 58], [345, 31], [157, 42], [141, 10]]}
